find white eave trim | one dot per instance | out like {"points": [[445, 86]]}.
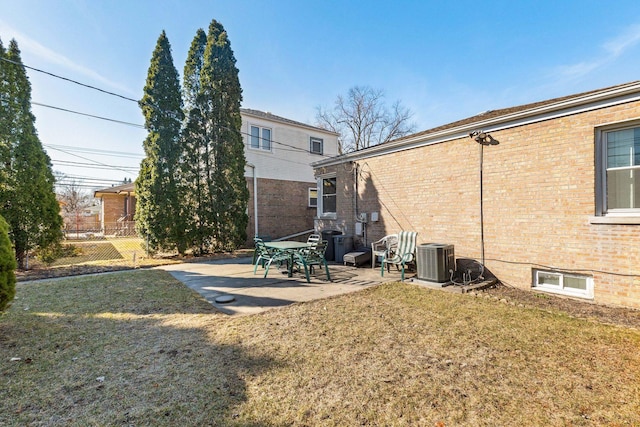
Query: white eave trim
{"points": [[268, 117], [594, 101]]}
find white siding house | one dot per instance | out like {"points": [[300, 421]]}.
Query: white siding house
{"points": [[279, 155]]}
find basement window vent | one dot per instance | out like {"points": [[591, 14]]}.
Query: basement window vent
{"points": [[563, 283]]}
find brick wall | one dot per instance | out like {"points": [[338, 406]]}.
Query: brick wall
{"points": [[539, 193], [282, 208], [113, 209]]}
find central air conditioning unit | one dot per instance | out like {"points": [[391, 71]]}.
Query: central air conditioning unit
{"points": [[434, 260]]}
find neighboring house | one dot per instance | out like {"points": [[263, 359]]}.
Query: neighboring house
{"points": [[118, 207], [550, 201], [86, 220], [279, 154]]}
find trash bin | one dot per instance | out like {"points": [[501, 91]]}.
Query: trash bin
{"points": [[341, 245], [328, 236]]}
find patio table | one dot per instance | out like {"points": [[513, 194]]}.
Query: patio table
{"points": [[290, 247]]}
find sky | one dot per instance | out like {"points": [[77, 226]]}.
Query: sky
{"points": [[443, 60]]}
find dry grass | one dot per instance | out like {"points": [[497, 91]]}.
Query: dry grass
{"points": [[392, 355]]}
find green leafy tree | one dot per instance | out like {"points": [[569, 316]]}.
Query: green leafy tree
{"points": [[221, 93], [7, 267], [195, 149], [27, 196], [214, 158], [158, 211]]}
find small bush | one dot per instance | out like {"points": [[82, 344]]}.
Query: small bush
{"points": [[51, 254], [7, 267]]}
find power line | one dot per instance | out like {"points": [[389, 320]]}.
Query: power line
{"points": [[70, 80], [69, 177], [92, 161], [90, 115], [92, 165], [126, 98], [97, 151], [291, 147]]}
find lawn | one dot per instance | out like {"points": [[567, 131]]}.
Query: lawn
{"points": [[139, 348]]}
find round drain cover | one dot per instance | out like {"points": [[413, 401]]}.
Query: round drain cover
{"points": [[223, 299]]}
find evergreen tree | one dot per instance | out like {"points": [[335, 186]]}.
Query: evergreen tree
{"points": [[225, 160], [195, 147], [5, 148], [158, 191], [7, 267], [27, 197]]}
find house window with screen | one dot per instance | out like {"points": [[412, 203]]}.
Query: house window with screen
{"points": [[620, 174], [327, 197], [260, 138], [315, 145], [313, 197]]}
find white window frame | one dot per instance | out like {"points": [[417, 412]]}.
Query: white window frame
{"points": [[602, 210], [560, 288], [313, 200], [321, 196], [261, 138], [313, 140]]}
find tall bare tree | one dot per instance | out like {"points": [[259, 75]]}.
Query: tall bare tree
{"points": [[363, 119], [74, 201]]}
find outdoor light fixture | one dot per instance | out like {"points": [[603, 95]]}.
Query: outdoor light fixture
{"points": [[481, 137]]}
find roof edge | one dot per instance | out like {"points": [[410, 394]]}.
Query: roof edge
{"points": [[269, 116], [564, 106]]}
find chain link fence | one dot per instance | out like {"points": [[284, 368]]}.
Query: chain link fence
{"points": [[94, 249], [114, 245]]}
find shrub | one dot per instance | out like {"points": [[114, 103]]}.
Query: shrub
{"points": [[7, 267], [56, 251]]}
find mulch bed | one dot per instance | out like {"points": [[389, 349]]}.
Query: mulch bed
{"points": [[572, 306]]}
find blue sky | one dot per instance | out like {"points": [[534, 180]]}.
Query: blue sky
{"points": [[443, 60]]}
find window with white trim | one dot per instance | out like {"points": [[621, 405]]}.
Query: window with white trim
{"points": [[619, 171], [327, 193], [260, 138], [563, 283], [313, 197], [316, 145]]}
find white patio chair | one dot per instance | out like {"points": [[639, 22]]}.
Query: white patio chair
{"points": [[403, 254], [382, 247]]}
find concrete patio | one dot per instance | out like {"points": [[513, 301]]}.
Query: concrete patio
{"points": [[253, 293]]}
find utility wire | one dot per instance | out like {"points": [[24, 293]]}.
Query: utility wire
{"points": [[92, 161], [97, 151], [70, 80], [126, 98], [90, 115], [290, 147], [82, 164]]}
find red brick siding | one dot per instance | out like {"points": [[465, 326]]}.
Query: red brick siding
{"points": [[282, 208]]}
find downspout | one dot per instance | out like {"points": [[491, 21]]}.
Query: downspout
{"points": [[255, 198]]}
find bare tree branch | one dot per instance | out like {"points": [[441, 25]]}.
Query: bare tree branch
{"points": [[362, 119]]}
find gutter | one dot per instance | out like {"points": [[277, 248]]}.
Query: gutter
{"points": [[255, 198], [606, 98]]}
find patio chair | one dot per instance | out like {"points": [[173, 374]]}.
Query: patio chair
{"points": [[403, 254], [313, 256], [265, 257], [313, 238], [383, 247]]}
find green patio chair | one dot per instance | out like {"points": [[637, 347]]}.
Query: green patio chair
{"points": [[265, 257], [313, 256], [403, 254]]}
